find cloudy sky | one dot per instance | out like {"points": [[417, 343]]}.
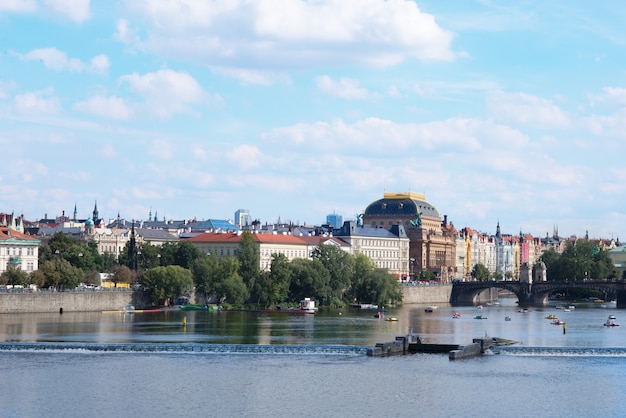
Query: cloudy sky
{"points": [[510, 112]]}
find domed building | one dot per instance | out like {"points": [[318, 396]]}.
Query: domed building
{"points": [[432, 244]]}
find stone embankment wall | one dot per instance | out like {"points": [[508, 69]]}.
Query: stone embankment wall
{"points": [[426, 294], [84, 301]]}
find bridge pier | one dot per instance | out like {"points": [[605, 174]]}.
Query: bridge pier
{"points": [[621, 299]]}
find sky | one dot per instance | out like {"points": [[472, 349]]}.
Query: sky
{"points": [[499, 112]]}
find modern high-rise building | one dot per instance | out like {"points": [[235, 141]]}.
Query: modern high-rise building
{"points": [[335, 220], [242, 218]]}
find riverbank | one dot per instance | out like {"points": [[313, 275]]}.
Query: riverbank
{"points": [[71, 301], [115, 299]]}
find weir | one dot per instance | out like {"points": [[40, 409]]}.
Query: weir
{"points": [[411, 343]]}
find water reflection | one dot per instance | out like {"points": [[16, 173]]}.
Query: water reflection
{"points": [[346, 327]]}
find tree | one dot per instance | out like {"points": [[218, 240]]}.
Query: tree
{"points": [[61, 274], [373, 285], [148, 256], [121, 274], [340, 266], [203, 272], [37, 278], [309, 278], [382, 288], [14, 276], [480, 272], [228, 284], [249, 260], [279, 279], [185, 254], [163, 283]]}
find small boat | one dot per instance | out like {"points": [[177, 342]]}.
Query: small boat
{"points": [[430, 308], [507, 318], [379, 315], [479, 307], [191, 307], [557, 322], [610, 322], [391, 319], [456, 315], [551, 316], [480, 317]]}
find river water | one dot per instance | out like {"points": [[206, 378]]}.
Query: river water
{"points": [[236, 364]]}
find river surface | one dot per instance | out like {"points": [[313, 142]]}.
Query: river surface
{"points": [[237, 364]]}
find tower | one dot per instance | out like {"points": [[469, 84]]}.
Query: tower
{"points": [[95, 216]]}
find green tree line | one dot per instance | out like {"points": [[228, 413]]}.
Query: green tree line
{"points": [[332, 277]]}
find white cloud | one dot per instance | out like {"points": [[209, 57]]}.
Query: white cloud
{"points": [[245, 156], [614, 96], [108, 151], [162, 149], [36, 103], [100, 64], [386, 137], [166, 91], [125, 33], [58, 60], [77, 10], [111, 107], [345, 88], [246, 76], [263, 34], [18, 6], [527, 110]]}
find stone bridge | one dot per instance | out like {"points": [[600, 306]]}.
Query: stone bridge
{"points": [[464, 293]]}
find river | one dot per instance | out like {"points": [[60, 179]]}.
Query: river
{"points": [[235, 364]]}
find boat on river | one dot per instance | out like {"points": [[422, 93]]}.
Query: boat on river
{"points": [[480, 317], [192, 307], [430, 308], [306, 306], [611, 321]]}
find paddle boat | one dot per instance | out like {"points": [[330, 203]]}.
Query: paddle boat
{"points": [[507, 318], [456, 315], [611, 322]]}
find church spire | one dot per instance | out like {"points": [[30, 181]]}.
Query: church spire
{"points": [[75, 212], [95, 212]]}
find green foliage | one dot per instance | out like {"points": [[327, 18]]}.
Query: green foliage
{"points": [[426, 275], [480, 272], [122, 274], [580, 261], [309, 278], [162, 283], [14, 276], [373, 285], [279, 280], [59, 273], [249, 260], [340, 266]]}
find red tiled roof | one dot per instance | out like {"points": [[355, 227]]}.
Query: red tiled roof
{"points": [[7, 233], [235, 238]]}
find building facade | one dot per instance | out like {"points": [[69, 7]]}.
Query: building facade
{"points": [[432, 244], [387, 248]]}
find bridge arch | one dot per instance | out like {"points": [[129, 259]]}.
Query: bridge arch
{"points": [[464, 293]]}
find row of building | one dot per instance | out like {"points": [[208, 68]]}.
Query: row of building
{"points": [[401, 232]]}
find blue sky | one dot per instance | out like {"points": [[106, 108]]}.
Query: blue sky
{"points": [[510, 112]]}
